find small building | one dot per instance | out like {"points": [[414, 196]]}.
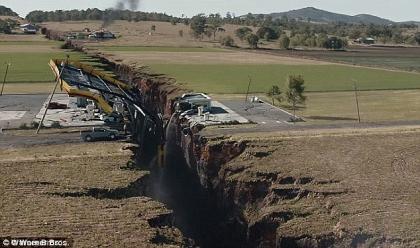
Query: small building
{"points": [[29, 28], [365, 40], [102, 34], [196, 100]]}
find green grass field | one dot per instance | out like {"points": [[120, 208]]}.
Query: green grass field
{"points": [[31, 42], [213, 78], [402, 63], [158, 49], [32, 67], [381, 105]]}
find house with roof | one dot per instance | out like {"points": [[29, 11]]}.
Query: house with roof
{"points": [[29, 28], [365, 40]]}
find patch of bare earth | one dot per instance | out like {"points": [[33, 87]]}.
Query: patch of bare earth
{"points": [[83, 192]]}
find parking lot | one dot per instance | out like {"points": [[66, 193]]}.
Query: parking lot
{"points": [[260, 113], [18, 109]]}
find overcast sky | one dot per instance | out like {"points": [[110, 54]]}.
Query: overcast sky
{"points": [[402, 10]]}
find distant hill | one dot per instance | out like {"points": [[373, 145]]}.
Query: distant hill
{"points": [[318, 15], [411, 23], [4, 11]]}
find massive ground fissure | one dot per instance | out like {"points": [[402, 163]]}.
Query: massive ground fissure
{"points": [[220, 198], [198, 211]]}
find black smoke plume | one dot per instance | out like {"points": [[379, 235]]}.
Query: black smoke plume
{"points": [[112, 14]]}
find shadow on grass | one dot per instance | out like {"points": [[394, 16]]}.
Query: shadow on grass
{"points": [[290, 108], [331, 118], [134, 189]]}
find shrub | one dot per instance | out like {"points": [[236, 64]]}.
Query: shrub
{"points": [[227, 41], [267, 33], [241, 33], [252, 40], [284, 41]]}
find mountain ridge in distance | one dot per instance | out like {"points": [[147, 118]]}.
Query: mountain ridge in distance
{"points": [[322, 16]]}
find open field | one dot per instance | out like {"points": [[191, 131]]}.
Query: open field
{"points": [[81, 192], [219, 57], [233, 78], [28, 88], [29, 56], [388, 105], [197, 66], [137, 34], [399, 58], [23, 38], [166, 34], [159, 49], [359, 188], [32, 66]]}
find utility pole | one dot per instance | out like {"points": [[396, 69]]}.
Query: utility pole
{"points": [[249, 86], [52, 94], [357, 99], [8, 64]]}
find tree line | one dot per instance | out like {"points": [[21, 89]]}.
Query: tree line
{"points": [[97, 14], [293, 33], [300, 33]]}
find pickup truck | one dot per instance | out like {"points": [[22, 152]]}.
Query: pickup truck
{"points": [[97, 133]]}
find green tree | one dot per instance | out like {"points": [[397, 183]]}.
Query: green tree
{"points": [[241, 33], [198, 25], [214, 23], [252, 40], [295, 87], [397, 38], [6, 26], [275, 94], [355, 33], [267, 33], [227, 41], [417, 37], [310, 41], [284, 41], [322, 40]]}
